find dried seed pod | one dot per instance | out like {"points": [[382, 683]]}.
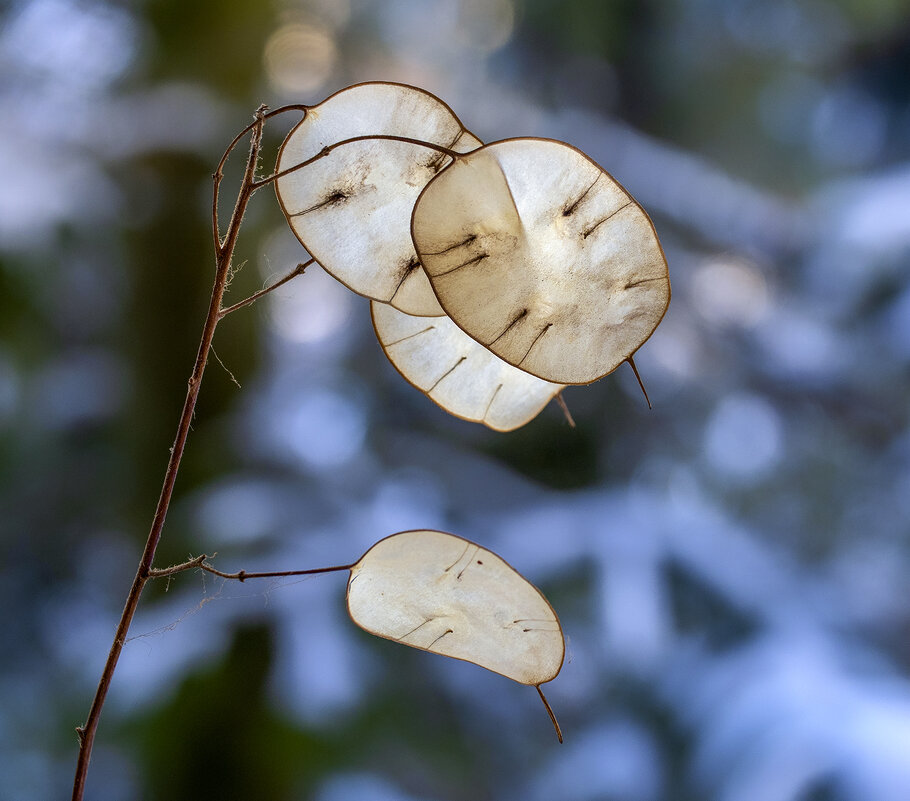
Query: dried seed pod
{"points": [[441, 593], [351, 210], [457, 373], [541, 256]]}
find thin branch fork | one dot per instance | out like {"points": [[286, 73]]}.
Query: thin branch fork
{"points": [[218, 175], [224, 250]]}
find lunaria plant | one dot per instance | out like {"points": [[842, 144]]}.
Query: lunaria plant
{"points": [[458, 373], [530, 248], [538, 254], [441, 593], [352, 210], [445, 594], [498, 274]]}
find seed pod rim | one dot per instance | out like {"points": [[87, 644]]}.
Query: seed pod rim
{"points": [[558, 387], [638, 205], [302, 121], [447, 656]]}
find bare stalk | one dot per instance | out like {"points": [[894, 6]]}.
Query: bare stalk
{"points": [[298, 270], [219, 170], [327, 150], [224, 250], [631, 362], [553, 720], [565, 409], [200, 563]]}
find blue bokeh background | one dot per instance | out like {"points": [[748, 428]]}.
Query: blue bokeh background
{"points": [[731, 568]]}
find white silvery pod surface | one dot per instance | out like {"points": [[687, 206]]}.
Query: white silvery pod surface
{"points": [[541, 256], [441, 593], [351, 210], [457, 373]]}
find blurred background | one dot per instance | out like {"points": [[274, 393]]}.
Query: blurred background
{"points": [[731, 568]]}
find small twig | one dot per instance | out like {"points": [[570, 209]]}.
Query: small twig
{"points": [[453, 154], [565, 409], [241, 575], [298, 270], [550, 712], [170, 571], [631, 362], [219, 170]]}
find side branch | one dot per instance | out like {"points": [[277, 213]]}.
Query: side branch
{"points": [[565, 409], [298, 270], [161, 572], [327, 150], [241, 575]]}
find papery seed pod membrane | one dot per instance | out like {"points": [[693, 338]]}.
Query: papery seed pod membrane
{"points": [[352, 209], [457, 373], [541, 256], [444, 594]]}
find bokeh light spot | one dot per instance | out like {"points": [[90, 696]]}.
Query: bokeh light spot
{"points": [[485, 25], [730, 292], [299, 58], [743, 437]]}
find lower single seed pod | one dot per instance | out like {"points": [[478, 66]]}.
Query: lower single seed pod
{"points": [[441, 593]]}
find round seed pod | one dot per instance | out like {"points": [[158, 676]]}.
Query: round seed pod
{"points": [[441, 593], [351, 209], [457, 373], [541, 256]]}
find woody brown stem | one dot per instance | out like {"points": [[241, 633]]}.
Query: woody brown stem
{"points": [[224, 250]]}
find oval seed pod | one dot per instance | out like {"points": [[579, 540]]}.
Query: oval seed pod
{"points": [[352, 209], [441, 593], [457, 373], [541, 256]]}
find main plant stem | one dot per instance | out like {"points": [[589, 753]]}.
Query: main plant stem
{"points": [[224, 251]]}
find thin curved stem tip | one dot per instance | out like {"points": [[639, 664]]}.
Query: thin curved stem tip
{"points": [[549, 712], [631, 362], [565, 409]]}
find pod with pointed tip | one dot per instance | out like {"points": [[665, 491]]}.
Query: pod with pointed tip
{"points": [[351, 210], [541, 256], [445, 594], [457, 373]]}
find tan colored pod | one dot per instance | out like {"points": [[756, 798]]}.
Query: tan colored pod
{"points": [[441, 593], [541, 256], [352, 209], [457, 373]]}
